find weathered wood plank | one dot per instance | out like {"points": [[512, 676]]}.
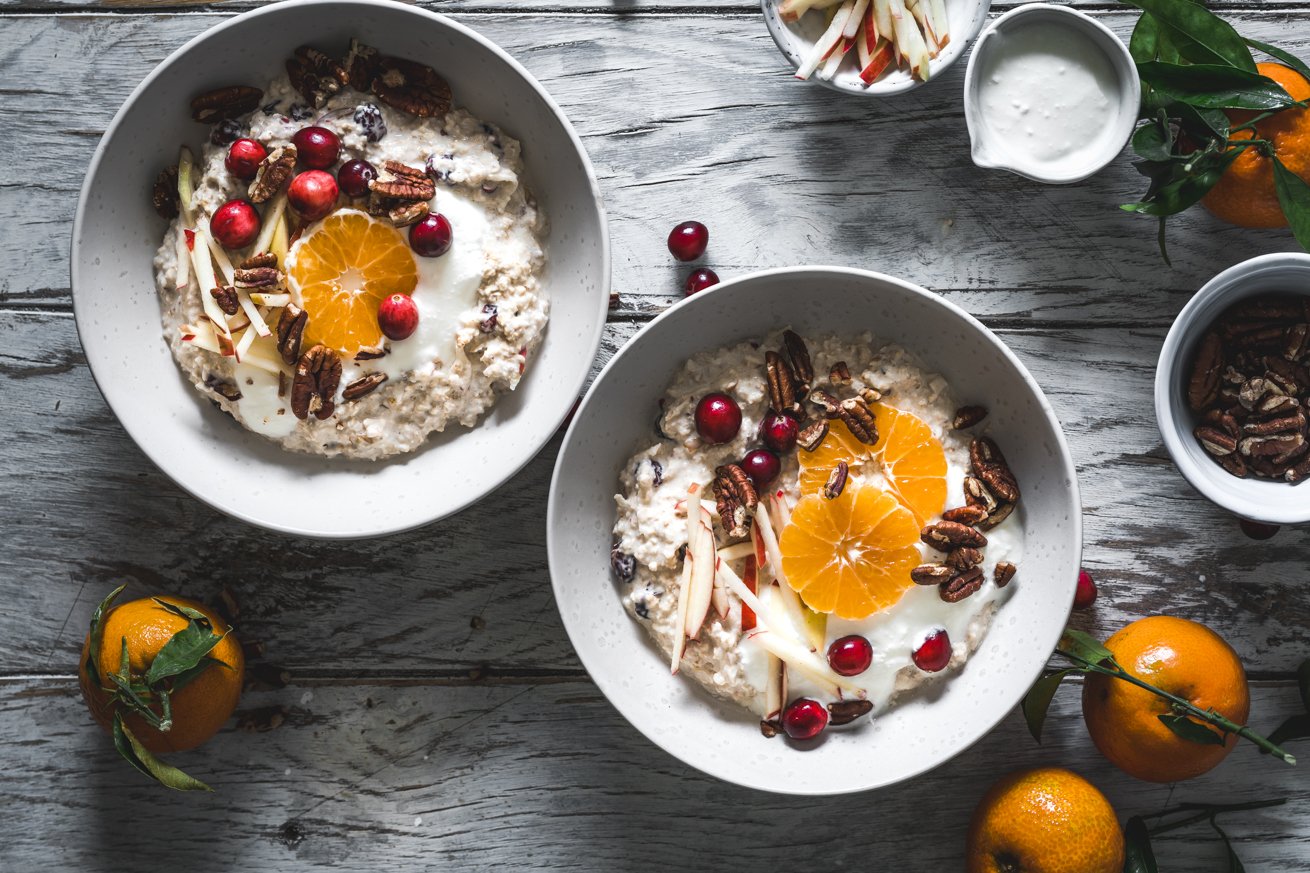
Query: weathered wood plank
{"points": [[546, 777], [78, 496], [783, 173], [594, 7]]}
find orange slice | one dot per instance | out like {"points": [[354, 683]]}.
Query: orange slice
{"points": [[851, 556], [343, 269], [909, 457]]}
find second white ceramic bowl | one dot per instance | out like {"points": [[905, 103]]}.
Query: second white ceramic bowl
{"points": [[1256, 499], [116, 233], [617, 418]]}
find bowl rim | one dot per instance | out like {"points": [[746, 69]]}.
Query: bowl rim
{"points": [[1117, 54], [504, 473], [575, 628], [768, 8], [1170, 419]]}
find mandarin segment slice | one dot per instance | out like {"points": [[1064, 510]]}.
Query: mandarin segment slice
{"points": [[343, 269], [907, 455], [850, 556]]}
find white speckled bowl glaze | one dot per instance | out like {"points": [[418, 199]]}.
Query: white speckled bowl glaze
{"points": [[616, 419], [116, 234], [795, 39], [1257, 499]]}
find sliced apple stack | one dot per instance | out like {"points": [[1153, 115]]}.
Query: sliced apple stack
{"points": [[875, 33]]}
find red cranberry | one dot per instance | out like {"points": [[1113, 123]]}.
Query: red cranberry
{"points": [[316, 147], [718, 418], [431, 237], [779, 431], [804, 718], [688, 240], [762, 466], [934, 653], [235, 224], [398, 316], [1085, 595], [699, 280], [354, 176], [1257, 530], [312, 194], [243, 158], [850, 655]]}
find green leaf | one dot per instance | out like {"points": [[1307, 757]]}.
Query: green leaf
{"points": [[1192, 731], [1295, 728], [1234, 863], [94, 634], [1200, 123], [1145, 41], [1186, 190], [1278, 54], [1138, 855], [1038, 700], [1206, 38], [1211, 86], [184, 651], [1154, 140], [1294, 197], [181, 680], [183, 611], [129, 695], [144, 760], [1084, 647]]}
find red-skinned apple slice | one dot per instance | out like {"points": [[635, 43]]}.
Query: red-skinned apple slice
{"points": [[826, 43], [879, 60], [680, 623], [703, 562]]}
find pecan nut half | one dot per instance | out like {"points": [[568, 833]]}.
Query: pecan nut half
{"points": [[262, 278], [318, 373], [363, 386], [408, 212], [1003, 573], [370, 353], [1283, 424], [226, 298], [976, 493], [290, 331], [1298, 473], [410, 87], [1215, 441], [401, 182], [858, 418], [224, 103], [829, 405], [272, 173], [316, 75], [990, 466], [839, 374], [969, 514], [801, 365], [964, 557], [735, 495], [163, 196], [967, 416], [782, 385], [361, 65], [836, 481], [1203, 385], [996, 516], [964, 585], [846, 711], [259, 259], [947, 535], [931, 574], [1296, 342], [812, 435]]}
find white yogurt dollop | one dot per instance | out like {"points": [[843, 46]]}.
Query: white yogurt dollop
{"points": [[1048, 96]]}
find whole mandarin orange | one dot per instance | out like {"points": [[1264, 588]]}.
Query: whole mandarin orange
{"points": [[1047, 820], [1179, 656], [1245, 193], [199, 708]]}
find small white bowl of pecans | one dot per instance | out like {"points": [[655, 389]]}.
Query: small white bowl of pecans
{"points": [[1232, 388]]}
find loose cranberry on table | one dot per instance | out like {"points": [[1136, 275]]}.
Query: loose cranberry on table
{"points": [[804, 718], [688, 240], [718, 418], [431, 237], [243, 158], [934, 653], [850, 655], [699, 280], [779, 432], [1085, 594], [762, 465], [312, 194], [316, 147], [354, 176], [1257, 530], [398, 317], [235, 224]]}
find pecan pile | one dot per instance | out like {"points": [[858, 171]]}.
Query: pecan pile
{"points": [[790, 376], [1249, 383], [991, 493]]}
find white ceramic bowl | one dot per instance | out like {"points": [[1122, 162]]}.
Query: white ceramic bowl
{"points": [[795, 38], [616, 419], [116, 233], [1127, 94], [1257, 499]]}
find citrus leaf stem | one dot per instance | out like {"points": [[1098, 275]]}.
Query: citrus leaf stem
{"points": [[1203, 811]]}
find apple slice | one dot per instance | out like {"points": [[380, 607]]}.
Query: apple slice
{"points": [[203, 264], [827, 42], [703, 562], [800, 659], [941, 22], [252, 312], [882, 10], [680, 623], [183, 261], [854, 20], [790, 600], [220, 257], [909, 41], [276, 301], [272, 219], [186, 164], [879, 60], [749, 578]]}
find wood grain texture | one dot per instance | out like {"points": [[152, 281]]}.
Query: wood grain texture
{"points": [[784, 173], [542, 777], [82, 493]]}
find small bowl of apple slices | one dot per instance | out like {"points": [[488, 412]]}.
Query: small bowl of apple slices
{"points": [[874, 48]]}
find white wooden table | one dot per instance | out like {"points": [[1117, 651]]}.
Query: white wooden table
{"points": [[435, 716]]}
